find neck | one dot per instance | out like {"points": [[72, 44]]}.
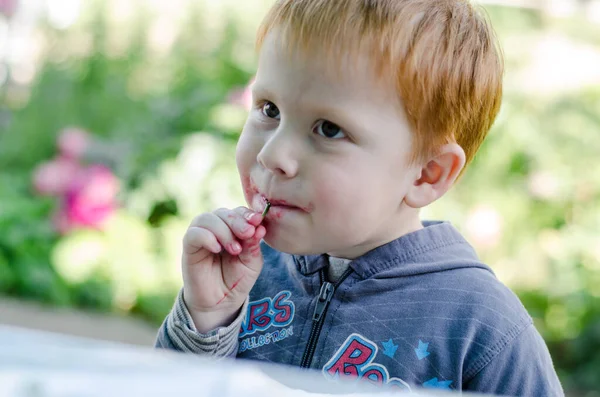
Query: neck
{"points": [[406, 221]]}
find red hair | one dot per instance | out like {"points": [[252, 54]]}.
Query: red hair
{"points": [[441, 55]]}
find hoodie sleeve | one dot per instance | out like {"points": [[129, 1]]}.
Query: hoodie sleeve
{"points": [[179, 333], [521, 367]]}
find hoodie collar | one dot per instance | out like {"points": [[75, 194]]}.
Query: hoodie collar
{"points": [[436, 247]]}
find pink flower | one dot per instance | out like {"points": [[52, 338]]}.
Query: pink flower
{"points": [[90, 199], [73, 142], [242, 96], [89, 194], [8, 7], [54, 177]]}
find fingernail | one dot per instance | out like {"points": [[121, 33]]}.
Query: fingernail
{"points": [[235, 247], [245, 228], [249, 215]]}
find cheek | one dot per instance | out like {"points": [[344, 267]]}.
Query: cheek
{"points": [[246, 150], [339, 197], [351, 203], [245, 157], [247, 187]]}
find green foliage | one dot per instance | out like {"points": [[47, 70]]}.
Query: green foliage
{"points": [[144, 111], [529, 202]]}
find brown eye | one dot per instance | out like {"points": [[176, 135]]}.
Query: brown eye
{"points": [[270, 110], [330, 130]]}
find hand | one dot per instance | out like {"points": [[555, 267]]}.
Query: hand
{"points": [[220, 264]]}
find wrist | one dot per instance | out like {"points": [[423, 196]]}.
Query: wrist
{"points": [[205, 322], [209, 320]]}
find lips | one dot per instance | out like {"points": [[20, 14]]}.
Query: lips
{"points": [[283, 204], [278, 204], [259, 201]]}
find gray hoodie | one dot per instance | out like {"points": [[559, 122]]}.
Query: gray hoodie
{"points": [[420, 311]]}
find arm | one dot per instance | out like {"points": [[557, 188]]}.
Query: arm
{"points": [[179, 333], [221, 261], [519, 367]]}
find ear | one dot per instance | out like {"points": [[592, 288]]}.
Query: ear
{"points": [[436, 176]]}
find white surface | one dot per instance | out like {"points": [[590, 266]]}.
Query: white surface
{"points": [[42, 364]]}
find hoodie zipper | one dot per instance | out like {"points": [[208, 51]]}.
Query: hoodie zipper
{"points": [[325, 296]]}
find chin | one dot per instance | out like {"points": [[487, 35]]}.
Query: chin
{"points": [[289, 246]]}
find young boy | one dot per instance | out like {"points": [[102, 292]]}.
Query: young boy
{"points": [[364, 111]]}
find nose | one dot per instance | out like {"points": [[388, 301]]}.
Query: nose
{"points": [[280, 154]]}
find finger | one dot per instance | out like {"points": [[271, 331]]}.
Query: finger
{"points": [[237, 222], [220, 229], [254, 218], [197, 238], [251, 254]]}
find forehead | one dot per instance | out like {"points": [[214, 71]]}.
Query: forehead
{"points": [[285, 66]]}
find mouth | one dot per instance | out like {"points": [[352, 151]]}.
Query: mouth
{"points": [[271, 205], [281, 204], [277, 206]]}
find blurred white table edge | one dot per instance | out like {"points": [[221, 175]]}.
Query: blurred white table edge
{"points": [[44, 364]]}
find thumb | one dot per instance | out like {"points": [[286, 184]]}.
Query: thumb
{"points": [[251, 255]]}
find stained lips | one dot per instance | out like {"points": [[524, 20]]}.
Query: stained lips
{"points": [[284, 204], [260, 202]]}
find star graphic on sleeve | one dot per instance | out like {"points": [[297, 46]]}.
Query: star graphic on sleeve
{"points": [[389, 348], [422, 350], [434, 383]]}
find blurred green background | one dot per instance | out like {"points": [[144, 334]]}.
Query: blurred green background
{"points": [[118, 124]]}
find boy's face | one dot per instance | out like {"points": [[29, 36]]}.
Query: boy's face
{"points": [[329, 151]]}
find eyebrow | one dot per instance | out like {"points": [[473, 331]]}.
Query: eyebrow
{"points": [[314, 107], [261, 91], [333, 113], [338, 115]]}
